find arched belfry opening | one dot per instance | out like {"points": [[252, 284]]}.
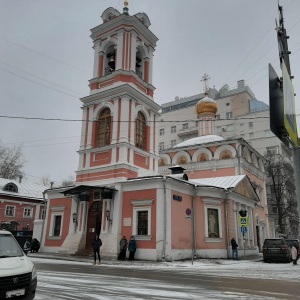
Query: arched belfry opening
{"points": [[110, 59], [139, 64]]}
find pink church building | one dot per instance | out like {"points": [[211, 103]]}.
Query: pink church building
{"points": [[123, 187]]}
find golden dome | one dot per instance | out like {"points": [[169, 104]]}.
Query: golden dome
{"points": [[206, 106]]}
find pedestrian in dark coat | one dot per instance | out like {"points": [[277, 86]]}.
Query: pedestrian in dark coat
{"points": [[97, 243], [35, 245], [132, 248], [234, 247], [123, 247]]}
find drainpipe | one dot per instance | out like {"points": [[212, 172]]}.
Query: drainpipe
{"points": [[193, 226], [165, 218], [226, 221], [43, 226]]}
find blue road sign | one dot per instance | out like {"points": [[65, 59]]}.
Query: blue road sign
{"points": [[243, 229]]}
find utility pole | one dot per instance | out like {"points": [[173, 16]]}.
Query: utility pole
{"points": [[282, 103]]}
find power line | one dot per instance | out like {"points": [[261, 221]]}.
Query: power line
{"points": [[45, 86], [41, 54], [40, 77]]}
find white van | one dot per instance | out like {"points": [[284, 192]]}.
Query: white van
{"points": [[18, 277]]}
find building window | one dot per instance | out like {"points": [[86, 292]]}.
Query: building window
{"points": [[43, 214], [272, 150], [161, 132], [229, 115], [11, 187], [141, 131], [218, 117], [9, 211], [173, 143], [161, 146], [250, 125], [219, 130], [251, 135], [185, 126], [27, 213], [104, 128], [57, 225], [196, 123], [141, 221], [242, 127], [173, 129]]}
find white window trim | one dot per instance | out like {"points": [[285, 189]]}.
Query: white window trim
{"points": [[51, 230], [141, 205], [6, 206], [212, 204], [30, 215]]}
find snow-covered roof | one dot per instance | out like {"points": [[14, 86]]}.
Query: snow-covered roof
{"points": [[226, 182], [25, 190], [200, 140]]}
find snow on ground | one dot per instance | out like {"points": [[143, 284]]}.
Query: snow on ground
{"points": [[228, 268]]}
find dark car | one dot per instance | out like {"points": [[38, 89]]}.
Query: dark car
{"points": [[276, 250], [295, 242]]}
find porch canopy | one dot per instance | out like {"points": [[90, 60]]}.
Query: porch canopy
{"points": [[83, 191]]}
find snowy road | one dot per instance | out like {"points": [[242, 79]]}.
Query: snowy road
{"points": [[218, 279]]}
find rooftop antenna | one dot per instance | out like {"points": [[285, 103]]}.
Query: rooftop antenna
{"points": [[204, 80], [125, 9]]}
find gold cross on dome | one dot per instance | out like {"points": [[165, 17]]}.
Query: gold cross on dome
{"points": [[205, 79]]}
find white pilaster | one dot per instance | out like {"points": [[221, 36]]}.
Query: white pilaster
{"points": [[151, 50], [120, 49], [133, 50], [96, 57], [115, 123], [90, 128], [124, 119], [83, 128], [37, 211]]}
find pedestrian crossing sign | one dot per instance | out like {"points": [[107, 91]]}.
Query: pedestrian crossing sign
{"points": [[243, 221]]}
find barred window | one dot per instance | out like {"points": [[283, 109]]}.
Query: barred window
{"points": [[142, 222], [104, 128], [141, 131]]}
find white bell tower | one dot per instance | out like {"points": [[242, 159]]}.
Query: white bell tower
{"points": [[119, 121]]}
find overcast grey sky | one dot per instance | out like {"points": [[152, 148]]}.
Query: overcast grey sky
{"points": [[46, 60]]}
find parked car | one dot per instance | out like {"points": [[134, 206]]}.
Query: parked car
{"points": [[295, 242], [276, 250], [18, 279]]}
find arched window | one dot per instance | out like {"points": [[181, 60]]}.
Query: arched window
{"points": [[104, 128], [141, 131], [11, 187]]}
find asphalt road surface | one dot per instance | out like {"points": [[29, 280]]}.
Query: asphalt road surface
{"points": [[84, 281]]}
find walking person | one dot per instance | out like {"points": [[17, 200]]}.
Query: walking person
{"points": [[131, 248], [294, 255], [26, 247], [234, 247], [97, 243], [123, 247]]}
